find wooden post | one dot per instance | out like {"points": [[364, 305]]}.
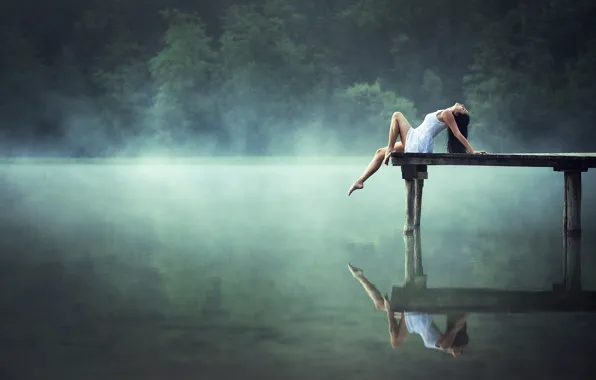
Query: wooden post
{"points": [[414, 176], [573, 272], [409, 259], [420, 277], [408, 231], [414, 272], [410, 204], [419, 184], [572, 230]]}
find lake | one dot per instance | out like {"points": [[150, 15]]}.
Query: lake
{"points": [[210, 268]]}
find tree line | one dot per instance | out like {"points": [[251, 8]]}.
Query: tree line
{"points": [[290, 76]]}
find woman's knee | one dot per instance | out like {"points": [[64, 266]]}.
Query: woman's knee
{"points": [[397, 115], [381, 152], [398, 147], [380, 305]]}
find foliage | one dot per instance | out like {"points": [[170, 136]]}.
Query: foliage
{"points": [[248, 77]]}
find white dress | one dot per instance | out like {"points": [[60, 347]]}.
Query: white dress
{"points": [[422, 324], [421, 139]]}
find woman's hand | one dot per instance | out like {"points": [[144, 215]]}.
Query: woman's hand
{"points": [[387, 303], [387, 156], [479, 152], [461, 321]]}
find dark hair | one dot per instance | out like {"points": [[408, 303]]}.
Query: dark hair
{"points": [[453, 144], [461, 338]]}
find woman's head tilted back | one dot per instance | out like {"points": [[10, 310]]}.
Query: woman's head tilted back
{"points": [[462, 119]]}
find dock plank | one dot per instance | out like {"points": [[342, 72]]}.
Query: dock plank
{"points": [[560, 161], [445, 300]]}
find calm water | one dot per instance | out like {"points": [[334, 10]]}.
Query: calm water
{"points": [[238, 268]]}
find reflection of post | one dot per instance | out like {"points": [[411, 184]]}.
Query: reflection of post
{"points": [[410, 205], [414, 176], [420, 277], [419, 184], [572, 230], [408, 230], [410, 273]]}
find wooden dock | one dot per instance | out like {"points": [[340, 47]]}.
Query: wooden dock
{"points": [[452, 300], [558, 161], [565, 296]]}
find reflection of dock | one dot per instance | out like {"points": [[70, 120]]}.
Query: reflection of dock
{"points": [[445, 300], [415, 296], [566, 296]]}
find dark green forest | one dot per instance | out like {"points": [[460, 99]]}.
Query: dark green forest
{"points": [[283, 77]]}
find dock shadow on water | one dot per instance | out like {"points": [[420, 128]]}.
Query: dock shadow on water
{"points": [[213, 269]]}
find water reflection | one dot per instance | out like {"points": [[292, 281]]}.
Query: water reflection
{"points": [[401, 323], [411, 305], [564, 296], [114, 276]]}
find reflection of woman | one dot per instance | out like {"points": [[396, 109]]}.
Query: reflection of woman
{"points": [[453, 341]]}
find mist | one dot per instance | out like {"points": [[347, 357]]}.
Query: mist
{"points": [[217, 80]]}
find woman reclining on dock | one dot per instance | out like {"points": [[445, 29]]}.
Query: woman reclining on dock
{"points": [[453, 341], [421, 140]]}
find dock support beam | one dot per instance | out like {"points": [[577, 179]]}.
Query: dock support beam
{"points": [[414, 176], [418, 185], [571, 230]]}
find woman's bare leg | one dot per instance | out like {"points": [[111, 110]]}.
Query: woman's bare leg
{"points": [[371, 290], [373, 166], [398, 127]]}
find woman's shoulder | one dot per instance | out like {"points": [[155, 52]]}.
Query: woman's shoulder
{"points": [[439, 115]]}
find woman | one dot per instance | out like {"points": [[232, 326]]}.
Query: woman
{"points": [[421, 140], [453, 341]]}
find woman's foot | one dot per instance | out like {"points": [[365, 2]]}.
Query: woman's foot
{"points": [[356, 186], [356, 272]]}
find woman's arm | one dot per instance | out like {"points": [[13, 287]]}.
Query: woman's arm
{"points": [[447, 117], [446, 340], [397, 332]]}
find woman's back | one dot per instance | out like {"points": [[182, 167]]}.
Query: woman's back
{"points": [[423, 325], [421, 139], [431, 124]]}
